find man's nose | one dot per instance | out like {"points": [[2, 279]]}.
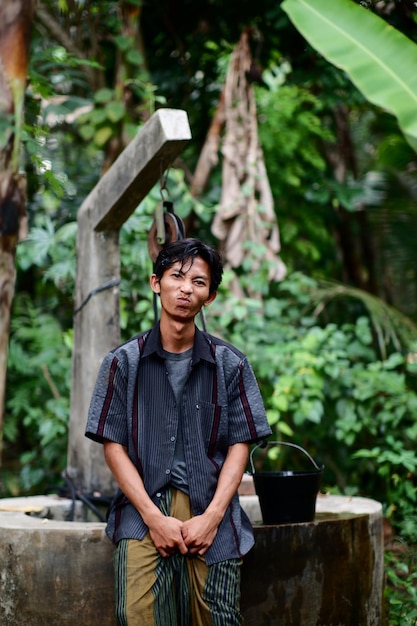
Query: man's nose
{"points": [[186, 286]]}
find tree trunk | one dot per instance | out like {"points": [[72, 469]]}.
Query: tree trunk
{"points": [[15, 26], [353, 233]]}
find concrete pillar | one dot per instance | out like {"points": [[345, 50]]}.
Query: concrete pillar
{"points": [[96, 317]]}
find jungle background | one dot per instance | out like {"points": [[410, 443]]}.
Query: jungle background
{"points": [[320, 287]]}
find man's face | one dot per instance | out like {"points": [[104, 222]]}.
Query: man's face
{"points": [[184, 290]]}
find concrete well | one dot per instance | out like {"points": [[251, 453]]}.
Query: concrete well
{"points": [[328, 572]]}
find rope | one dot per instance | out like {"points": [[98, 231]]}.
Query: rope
{"points": [[109, 285], [90, 500]]}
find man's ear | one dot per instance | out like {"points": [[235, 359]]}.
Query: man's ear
{"points": [[211, 297], [155, 283]]}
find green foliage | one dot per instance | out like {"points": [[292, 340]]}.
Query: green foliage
{"points": [[53, 69], [108, 116], [325, 387], [401, 574], [390, 326], [292, 131], [39, 362], [36, 420], [290, 124], [53, 250]]}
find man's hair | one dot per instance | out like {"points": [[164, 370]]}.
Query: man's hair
{"points": [[186, 250]]}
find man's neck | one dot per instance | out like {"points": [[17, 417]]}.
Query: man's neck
{"points": [[177, 336]]}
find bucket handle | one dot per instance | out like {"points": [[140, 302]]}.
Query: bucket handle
{"points": [[264, 444]]}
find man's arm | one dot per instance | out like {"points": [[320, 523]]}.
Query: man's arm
{"points": [[199, 532], [164, 531]]}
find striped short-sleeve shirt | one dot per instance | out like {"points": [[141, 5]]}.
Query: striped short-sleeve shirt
{"points": [[133, 404]]}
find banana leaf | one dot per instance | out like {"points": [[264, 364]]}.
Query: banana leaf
{"points": [[380, 60]]}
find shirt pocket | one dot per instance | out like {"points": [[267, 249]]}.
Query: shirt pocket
{"points": [[213, 426]]}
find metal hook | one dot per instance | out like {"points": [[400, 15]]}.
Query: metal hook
{"points": [[163, 180]]}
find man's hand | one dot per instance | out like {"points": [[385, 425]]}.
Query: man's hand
{"points": [[166, 534], [199, 533]]}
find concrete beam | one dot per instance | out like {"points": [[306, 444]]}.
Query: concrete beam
{"points": [[137, 170]]}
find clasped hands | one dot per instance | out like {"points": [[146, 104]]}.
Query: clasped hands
{"points": [[194, 536]]}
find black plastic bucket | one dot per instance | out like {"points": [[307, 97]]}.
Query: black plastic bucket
{"points": [[287, 497]]}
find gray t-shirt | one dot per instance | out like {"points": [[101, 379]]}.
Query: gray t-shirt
{"points": [[178, 366]]}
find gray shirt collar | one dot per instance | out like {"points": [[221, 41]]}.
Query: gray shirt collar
{"points": [[201, 349]]}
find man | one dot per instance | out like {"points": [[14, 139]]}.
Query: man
{"points": [[176, 409]]}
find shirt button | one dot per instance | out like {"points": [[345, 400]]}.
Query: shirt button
{"points": [[167, 471], [159, 494], [173, 438]]}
